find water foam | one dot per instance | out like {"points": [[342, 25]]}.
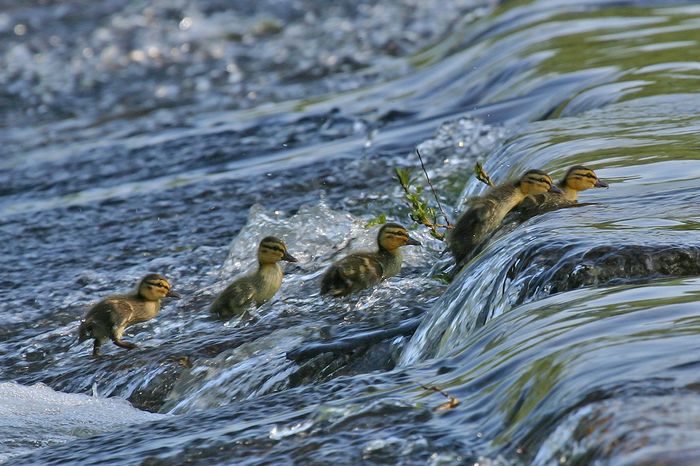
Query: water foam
{"points": [[37, 416]]}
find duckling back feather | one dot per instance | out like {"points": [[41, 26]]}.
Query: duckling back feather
{"points": [[353, 273], [484, 215], [540, 203], [364, 269], [116, 311], [235, 298]]}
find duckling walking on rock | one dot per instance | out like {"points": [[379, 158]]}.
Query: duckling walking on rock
{"points": [[258, 287], [577, 178], [110, 317], [365, 269], [486, 213]]}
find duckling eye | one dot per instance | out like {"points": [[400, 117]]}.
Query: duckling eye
{"points": [[158, 285], [398, 234], [541, 180], [590, 175]]}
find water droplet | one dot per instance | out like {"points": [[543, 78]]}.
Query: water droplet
{"points": [[185, 23], [153, 51], [20, 29], [137, 55]]}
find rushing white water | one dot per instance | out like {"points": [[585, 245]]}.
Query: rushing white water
{"points": [[37, 416]]}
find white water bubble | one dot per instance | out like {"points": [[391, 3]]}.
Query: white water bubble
{"points": [[153, 51], [137, 55], [278, 433], [36, 416], [185, 23]]}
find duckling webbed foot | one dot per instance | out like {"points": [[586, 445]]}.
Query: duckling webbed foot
{"points": [[96, 349], [116, 337], [124, 344]]}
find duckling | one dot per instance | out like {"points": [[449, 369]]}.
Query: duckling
{"points": [[486, 212], [111, 316], [365, 269], [258, 287], [577, 178]]}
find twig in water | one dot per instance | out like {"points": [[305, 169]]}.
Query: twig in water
{"points": [[432, 188], [451, 403]]}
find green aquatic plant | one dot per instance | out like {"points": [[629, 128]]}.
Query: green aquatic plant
{"points": [[421, 212], [378, 220], [481, 174]]}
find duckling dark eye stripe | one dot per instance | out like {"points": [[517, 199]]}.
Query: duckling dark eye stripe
{"points": [[158, 284], [273, 247]]}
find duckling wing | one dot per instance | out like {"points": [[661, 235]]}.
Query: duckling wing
{"points": [[235, 299], [540, 203], [103, 316], [352, 273], [471, 229]]}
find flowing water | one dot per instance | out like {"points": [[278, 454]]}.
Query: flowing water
{"points": [[170, 136]]}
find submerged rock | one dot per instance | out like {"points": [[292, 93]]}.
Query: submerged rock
{"points": [[557, 268]]}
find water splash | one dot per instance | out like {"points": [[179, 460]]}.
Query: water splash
{"points": [[37, 416]]}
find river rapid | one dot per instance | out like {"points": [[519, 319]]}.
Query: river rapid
{"points": [[170, 136]]}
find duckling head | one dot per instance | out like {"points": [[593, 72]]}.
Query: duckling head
{"points": [[392, 236], [536, 182], [580, 178], [154, 287], [273, 250]]}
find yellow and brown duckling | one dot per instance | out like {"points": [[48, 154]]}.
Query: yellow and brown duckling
{"points": [[258, 287], [110, 317], [365, 269], [486, 212], [576, 179]]}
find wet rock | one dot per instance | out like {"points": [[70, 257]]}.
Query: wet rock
{"points": [[153, 395], [622, 431], [555, 268], [381, 356], [354, 342]]}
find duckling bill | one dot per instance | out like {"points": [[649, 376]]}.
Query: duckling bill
{"points": [[110, 317], [486, 213], [576, 179], [258, 287], [365, 269]]}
